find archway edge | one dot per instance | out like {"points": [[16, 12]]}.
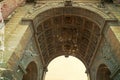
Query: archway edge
{"points": [[58, 55], [30, 63], [103, 68], [101, 64], [31, 69], [43, 13], [32, 60]]}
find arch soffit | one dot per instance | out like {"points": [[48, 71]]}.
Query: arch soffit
{"points": [[91, 13]]}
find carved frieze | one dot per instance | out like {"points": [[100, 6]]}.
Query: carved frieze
{"points": [[79, 21], [57, 20], [39, 29], [29, 53], [116, 75], [108, 55], [54, 9]]}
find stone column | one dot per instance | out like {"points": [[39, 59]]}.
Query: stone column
{"points": [[44, 73], [88, 74]]}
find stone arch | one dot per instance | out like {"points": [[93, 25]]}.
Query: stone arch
{"points": [[31, 72], [93, 14], [39, 17], [103, 73], [66, 27]]}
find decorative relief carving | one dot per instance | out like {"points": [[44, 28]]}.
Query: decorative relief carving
{"points": [[47, 24], [79, 21], [87, 33], [116, 76], [88, 25], [39, 29], [68, 19], [29, 52], [57, 20], [74, 35], [96, 30], [108, 56], [7, 75]]}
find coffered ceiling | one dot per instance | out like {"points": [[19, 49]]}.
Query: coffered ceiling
{"points": [[68, 35], [68, 29]]}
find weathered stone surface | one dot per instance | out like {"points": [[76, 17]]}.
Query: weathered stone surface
{"points": [[107, 54], [32, 28]]}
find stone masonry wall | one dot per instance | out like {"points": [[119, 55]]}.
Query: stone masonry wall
{"points": [[108, 54]]}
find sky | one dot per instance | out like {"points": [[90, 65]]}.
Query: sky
{"points": [[62, 68]]}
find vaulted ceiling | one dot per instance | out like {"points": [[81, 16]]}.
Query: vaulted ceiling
{"points": [[68, 35], [68, 29]]}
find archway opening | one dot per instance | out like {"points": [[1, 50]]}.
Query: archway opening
{"points": [[32, 73], [62, 68], [103, 73]]}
